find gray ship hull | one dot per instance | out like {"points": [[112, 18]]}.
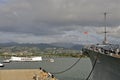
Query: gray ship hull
{"points": [[106, 68]]}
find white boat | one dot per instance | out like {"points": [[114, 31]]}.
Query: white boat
{"points": [[6, 61], [25, 59], [51, 60], [1, 65]]}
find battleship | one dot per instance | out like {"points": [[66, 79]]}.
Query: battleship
{"points": [[105, 59]]}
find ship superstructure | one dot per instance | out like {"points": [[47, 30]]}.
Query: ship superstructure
{"points": [[105, 58]]}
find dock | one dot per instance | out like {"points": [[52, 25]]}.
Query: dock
{"points": [[25, 74]]}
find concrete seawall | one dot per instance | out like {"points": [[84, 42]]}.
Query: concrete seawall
{"points": [[22, 74]]}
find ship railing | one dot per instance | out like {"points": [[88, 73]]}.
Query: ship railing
{"points": [[112, 52]]}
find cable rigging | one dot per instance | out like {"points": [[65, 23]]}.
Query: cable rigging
{"points": [[60, 72], [92, 68]]}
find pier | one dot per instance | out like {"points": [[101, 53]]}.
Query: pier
{"points": [[25, 74]]}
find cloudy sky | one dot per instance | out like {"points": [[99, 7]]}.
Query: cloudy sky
{"points": [[49, 21]]}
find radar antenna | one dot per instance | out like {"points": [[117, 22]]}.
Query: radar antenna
{"points": [[105, 32]]}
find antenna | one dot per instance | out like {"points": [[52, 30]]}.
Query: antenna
{"points": [[105, 36]]}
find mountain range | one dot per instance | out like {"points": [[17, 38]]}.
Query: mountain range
{"points": [[44, 45]]}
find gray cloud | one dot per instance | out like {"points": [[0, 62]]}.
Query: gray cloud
{"points": [[56, 17]]}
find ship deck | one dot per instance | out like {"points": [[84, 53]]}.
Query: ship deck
{"points": [[115, 55], [107, 52]]}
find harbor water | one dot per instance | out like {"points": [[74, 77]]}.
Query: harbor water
{"points": [[78, 72]]}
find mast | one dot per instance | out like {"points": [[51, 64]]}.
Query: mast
{"points": [[105, 32]]}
